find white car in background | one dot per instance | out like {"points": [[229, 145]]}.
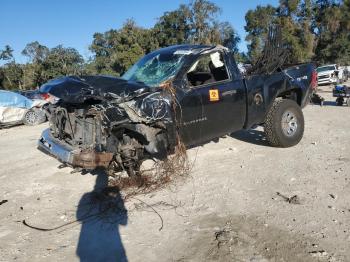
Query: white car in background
{"points": [[327, 74], [18, 109]]}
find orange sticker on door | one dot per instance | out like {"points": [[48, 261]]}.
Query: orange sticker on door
{"points": [[213, 95]]}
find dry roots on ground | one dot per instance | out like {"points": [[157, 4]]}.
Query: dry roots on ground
{"points": [[164, 172]]}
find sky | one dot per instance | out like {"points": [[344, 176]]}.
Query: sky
{"points": [[73, 22]]}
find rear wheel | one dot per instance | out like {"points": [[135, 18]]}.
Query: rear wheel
{"points": [[284, 123]]}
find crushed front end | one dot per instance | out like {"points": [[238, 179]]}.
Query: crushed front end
{"points": [[94, 127]]}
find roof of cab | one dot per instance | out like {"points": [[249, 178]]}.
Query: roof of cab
{"points": [[195, 49]]}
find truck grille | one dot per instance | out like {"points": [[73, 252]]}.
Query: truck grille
{"points": [[324, 76]]}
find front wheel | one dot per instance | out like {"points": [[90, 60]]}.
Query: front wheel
{"points": [[284, 123]]}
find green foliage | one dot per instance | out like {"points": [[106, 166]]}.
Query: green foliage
{"points": [[36, 52], [116, 50], [203, 21], [257, 24], [332, 26], [174, 27], [62, 61], [12, 75], [43, 65], [313, 30], [6, 54]]}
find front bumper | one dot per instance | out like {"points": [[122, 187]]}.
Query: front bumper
{"points": [[88, 159], [326, 80]]}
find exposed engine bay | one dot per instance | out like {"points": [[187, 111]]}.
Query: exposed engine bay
{"points": [[104, 129]]}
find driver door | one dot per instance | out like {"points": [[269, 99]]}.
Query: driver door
{"points": [[214, 104]]}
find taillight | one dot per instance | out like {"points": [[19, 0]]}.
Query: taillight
{"points": [[45, 96], [313, 79], [49, 98]]}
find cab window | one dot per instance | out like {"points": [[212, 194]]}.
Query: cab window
{"points": [[207, 69]]}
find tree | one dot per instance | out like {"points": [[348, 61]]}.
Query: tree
{"points": [[7, 53], [195, 23], [33, 71], [306, 33], [13, 76], [62, 61], [331, 27], [203, 20], [116, 50], [228, 36], [11, 72], [312, 30], [257, 25], [174, 27], [36, 52], [296, 29]]}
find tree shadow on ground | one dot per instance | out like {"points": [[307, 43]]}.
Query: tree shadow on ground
{"points": [[101, 212], [251, 136]]}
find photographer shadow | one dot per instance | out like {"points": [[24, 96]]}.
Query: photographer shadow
{"points": [[100, 213]]}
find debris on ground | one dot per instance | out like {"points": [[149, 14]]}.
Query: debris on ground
{"points": [[164, 205], [225, 236], [317, 99], [333, 196], [3, 201], [291, 200], [319, 253]]}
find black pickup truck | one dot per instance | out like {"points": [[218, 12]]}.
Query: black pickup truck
{"points": [[192, 93]]}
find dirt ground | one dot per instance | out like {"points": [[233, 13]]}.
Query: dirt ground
{"points": [[228, 208]]}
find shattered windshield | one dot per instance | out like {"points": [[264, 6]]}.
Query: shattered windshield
{"points": [[157, 67], [325, 68]]}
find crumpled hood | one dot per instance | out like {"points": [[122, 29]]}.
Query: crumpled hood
{"points": [[76, 90]]}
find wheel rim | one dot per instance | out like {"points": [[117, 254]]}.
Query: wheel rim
{"points": [[289, 123], [30, 117]]}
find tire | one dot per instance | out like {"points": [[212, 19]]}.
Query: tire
{"points": [[34, 117], [339, 101], [284, 123], [131, 155]]}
